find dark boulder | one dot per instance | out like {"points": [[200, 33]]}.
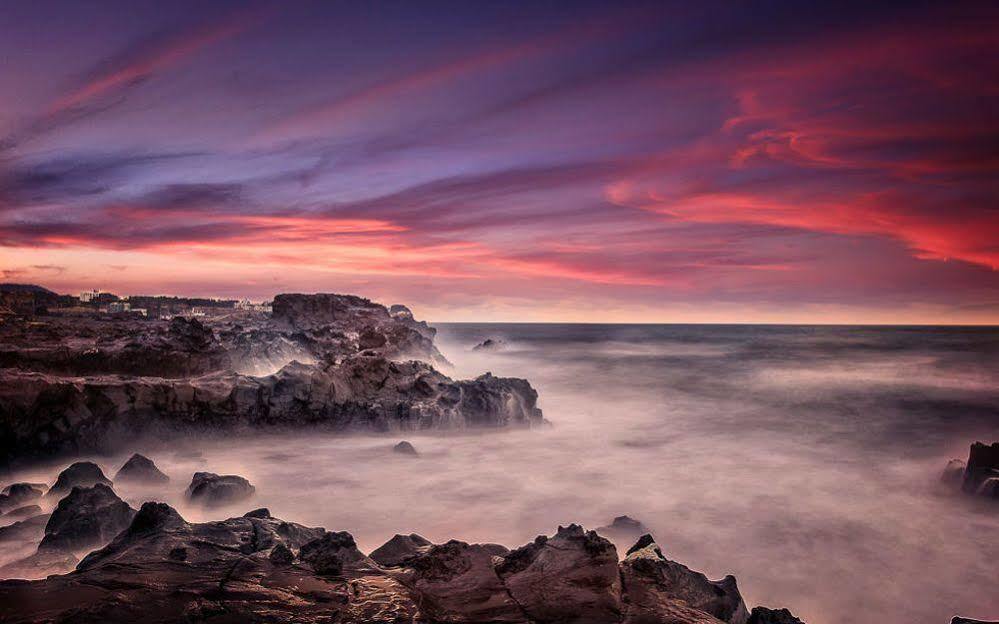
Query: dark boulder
{"points": [[983, 464], [489, 345], [212, 490], [139, 469], [399, 549], [763, 615], [654, 582], [405, 448], [263, 512], [86, 518], [80, 474]]}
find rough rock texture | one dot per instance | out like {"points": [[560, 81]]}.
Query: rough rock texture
{"points": [[405, 448], [763, 615], [578, 566], [335, 362], [651, 579], [140, 469], [17, 495], [212, 490], [261, 569], [400, 549], [86, 518], [80, 474]]}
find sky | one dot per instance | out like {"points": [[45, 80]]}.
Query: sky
{"points": [[511, 161]]}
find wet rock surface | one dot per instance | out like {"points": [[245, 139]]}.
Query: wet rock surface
{"points": [[140, 469], [256, 568], [212, 490], [337, 362]]}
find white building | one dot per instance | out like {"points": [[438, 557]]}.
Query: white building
{"points": [[89, 295]]}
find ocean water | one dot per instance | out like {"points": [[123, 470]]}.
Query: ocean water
{"points": [[803, 460]]}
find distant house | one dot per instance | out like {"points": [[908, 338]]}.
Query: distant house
{"points": [[89, 295]]}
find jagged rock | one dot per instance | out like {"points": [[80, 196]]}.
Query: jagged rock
{"points": [[405, 448], [983, 464], [316, 363], [26, 511], [953, 474], [400, 311], [623, 531], [79, 474], [489, 345], [458, 583], [578, 566], [86, 518], [653, 582], [164, 569], [399, 549], [763, 615], [17, 494], [140, 469], [333, 553], [212, 490]]}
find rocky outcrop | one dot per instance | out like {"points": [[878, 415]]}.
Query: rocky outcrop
{"points": [[489, 345], [335, 362], [212, 490], [141, 470], [651, 579], [979, 476], [162, 568], [400, 549], [79, 474], [86, 518], [577, 566]]}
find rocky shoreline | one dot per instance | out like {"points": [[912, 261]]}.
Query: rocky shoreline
{"points": [[336, 362], [152, 565]]}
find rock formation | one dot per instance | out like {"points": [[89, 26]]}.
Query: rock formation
{"points": [[335, 362], [405, 448], [623, 531], [763, 615], [488, 345], [162, 568], [86, 518], [17, 494], [212, 490], [79, 474], [979, 476], [139, 469], [400, 549]]}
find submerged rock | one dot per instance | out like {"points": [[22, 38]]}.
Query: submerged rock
{"points": [[399, 549], [79, 474], [983, 464], [953, 473], [139, 469], [489, 345], [86, 518], [623, 531], [212, 490], [654, 581], [405, 448]]}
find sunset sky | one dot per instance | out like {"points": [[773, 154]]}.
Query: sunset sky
{"points": [[532, 161]]}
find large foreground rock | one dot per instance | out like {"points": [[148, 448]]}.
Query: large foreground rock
{"points": [[335, 362], [256, 568]]}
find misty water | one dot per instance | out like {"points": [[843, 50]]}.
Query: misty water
{"points": [[804, 460]]}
